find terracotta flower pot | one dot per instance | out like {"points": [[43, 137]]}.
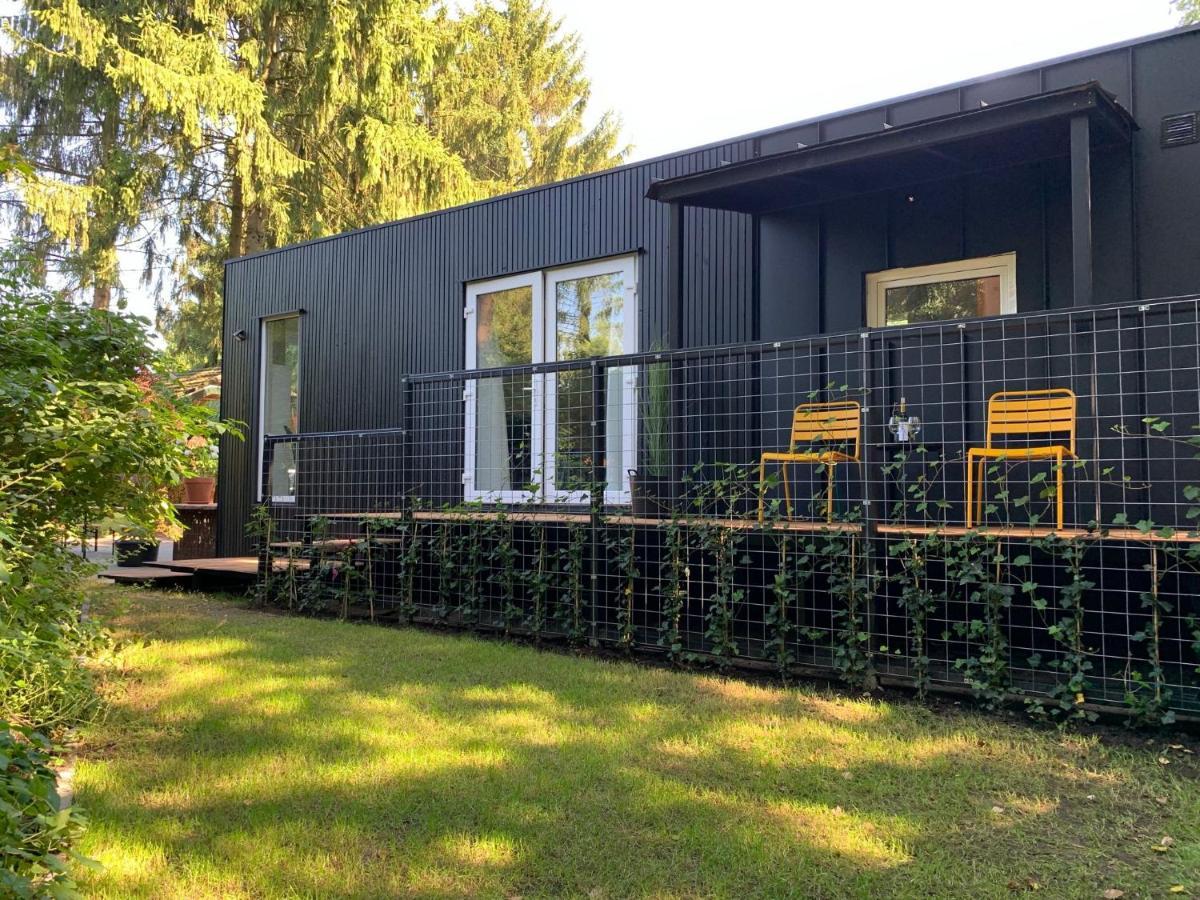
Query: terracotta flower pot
{"points": [[199, 490]]}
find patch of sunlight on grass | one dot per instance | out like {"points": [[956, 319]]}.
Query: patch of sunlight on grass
{"points": [[479, 851], [877, 842], [512, 694], [850, 835], [130, 860], [841, 709]]}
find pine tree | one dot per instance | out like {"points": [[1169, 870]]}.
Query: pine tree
{"points": [[89, 171], [511, 96], [229, 126]]}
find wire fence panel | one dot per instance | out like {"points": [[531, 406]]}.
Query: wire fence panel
{"points": [[1007, 505]]}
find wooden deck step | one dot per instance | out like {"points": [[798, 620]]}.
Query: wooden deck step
{"points": [[243, 567], [144, 574]]}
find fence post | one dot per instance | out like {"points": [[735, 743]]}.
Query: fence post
{"points": [[406, 389], [264, 547], [596, 495], [874, 451]]}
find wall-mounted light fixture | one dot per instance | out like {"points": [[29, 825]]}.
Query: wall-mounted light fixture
{"points": [[240, 335]]}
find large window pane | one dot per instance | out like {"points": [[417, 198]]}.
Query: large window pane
{"points": [[589, 321], [504, 405], [590, 316], [281, 401], [937, 300]]}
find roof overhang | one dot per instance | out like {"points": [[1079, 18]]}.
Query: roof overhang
{"points": [[996, 136]]}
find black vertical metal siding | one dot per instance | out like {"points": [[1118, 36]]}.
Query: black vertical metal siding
{"points": [[387, 301]]}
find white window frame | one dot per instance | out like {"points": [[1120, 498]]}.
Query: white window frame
{"points": [[627, 266], [262, 398], [878, 283], [533, 280], [544, 432]]}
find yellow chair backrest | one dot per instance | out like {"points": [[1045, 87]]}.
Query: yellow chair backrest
{"points": [[1029, 413], [836, 422]]}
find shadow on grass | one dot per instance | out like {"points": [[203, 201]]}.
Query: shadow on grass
{"points": [[263, 755]]}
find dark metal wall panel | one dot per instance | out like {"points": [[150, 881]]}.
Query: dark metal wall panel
{"points": [[793, 282], [1166, 80], [1110, 69], [789, 139], [1003, 213], [384, 302], [997, 90], [941, 104]]}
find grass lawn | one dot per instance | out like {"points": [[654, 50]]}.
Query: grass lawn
{"points": [[253, 755]]}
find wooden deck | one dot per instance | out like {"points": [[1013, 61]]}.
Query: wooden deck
{"points": [[1027, 533], [231, 566]]}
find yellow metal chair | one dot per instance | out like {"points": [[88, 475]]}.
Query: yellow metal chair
{"points": [[1024, 414], [838, 423]]}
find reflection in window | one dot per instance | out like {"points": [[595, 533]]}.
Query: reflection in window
{"points": [[589, 322], [937, 300], [504, 405]]}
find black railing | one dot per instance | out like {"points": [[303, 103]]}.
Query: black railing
{"points": [[620, 500]]}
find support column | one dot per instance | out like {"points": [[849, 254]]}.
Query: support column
{"points": [[673, 314], [673, 338], [1081, 210]]}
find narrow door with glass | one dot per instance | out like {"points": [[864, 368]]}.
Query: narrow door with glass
{"points": [[279, 405]]}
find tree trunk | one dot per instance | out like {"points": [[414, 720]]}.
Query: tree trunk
{"points": [[237, 210], [103, 234], [101, 295]]}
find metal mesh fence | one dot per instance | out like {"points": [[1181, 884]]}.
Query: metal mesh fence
{"points": [[799, 505]]}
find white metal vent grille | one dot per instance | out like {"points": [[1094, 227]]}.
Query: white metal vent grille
{"points": [[1180, 128]]}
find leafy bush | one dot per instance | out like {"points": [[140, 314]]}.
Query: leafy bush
{"points": [[87, 430], [36, 829], [43, 636]]}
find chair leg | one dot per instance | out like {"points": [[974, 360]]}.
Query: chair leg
{"points": [[970, 479], [1059, 497], [829, 467], [787, 490], [981, 490], [762, 487]]}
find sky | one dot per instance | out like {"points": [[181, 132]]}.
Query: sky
{"points": [[682, 73]]}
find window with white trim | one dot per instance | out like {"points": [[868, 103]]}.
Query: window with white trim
{"points": [[963, 289], [529, 437], [279, 405]]}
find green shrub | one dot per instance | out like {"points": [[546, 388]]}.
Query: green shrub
{"points": [[88, 430], [36, 829], [44, 635]]}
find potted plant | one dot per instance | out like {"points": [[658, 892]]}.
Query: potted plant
{"points": [[201, 485], [650, 483]]}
